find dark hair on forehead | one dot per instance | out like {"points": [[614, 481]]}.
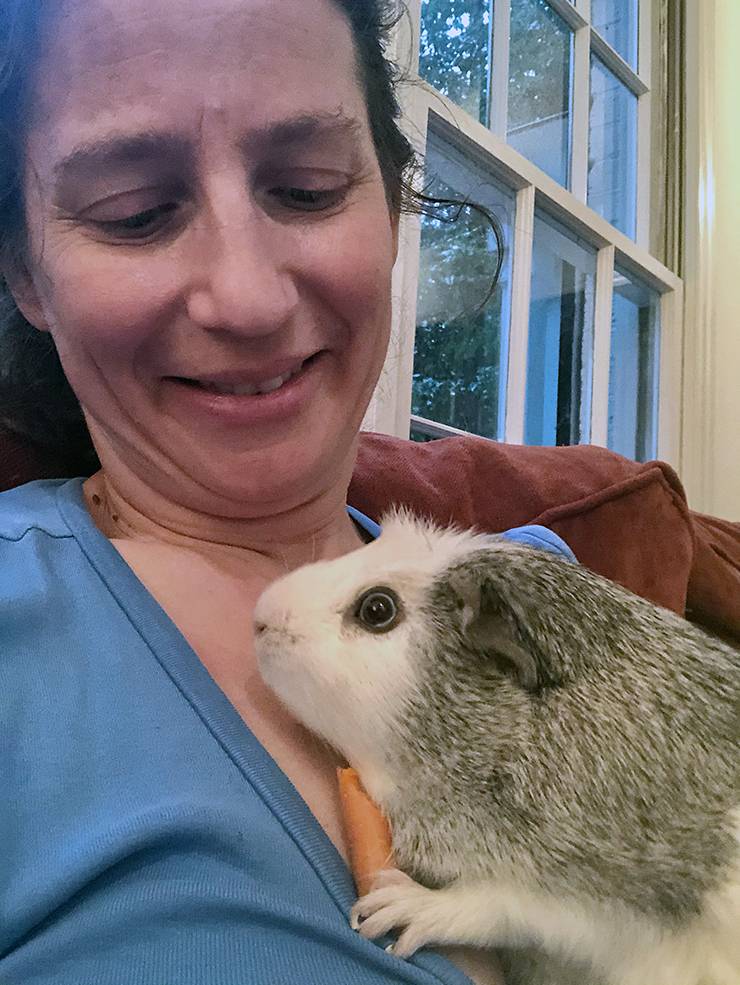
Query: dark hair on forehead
{"points": [[372, 22]]}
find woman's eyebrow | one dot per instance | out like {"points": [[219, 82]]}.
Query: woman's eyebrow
{"points": [[307, 128], [116, 149]]}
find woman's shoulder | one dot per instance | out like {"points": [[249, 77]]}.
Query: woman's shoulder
{"points": [[39, 553], [33, 507]]}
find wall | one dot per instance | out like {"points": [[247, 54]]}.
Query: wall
{"points": [[711, 429]]}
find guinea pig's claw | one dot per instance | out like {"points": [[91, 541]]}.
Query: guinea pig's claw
{"points": [[383, 879], [396, 903]]}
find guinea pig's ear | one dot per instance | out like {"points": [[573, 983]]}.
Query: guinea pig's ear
{"points": [[484, 626]]}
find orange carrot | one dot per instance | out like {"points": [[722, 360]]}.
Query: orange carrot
{"points": [[367, 830]]}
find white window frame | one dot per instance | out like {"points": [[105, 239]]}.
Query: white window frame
{"points": [[390, 410]]}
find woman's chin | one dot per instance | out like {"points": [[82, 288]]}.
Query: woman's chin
{"points": [[274, 479], [239, 472]]}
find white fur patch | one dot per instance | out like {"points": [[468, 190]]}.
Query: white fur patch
{"points": [[624, 949], [310, 649]]}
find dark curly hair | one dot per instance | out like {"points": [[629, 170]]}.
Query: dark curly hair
{"points": [[36, 400]]}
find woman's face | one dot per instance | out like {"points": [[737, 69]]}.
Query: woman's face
{"points": [[206, 214]]}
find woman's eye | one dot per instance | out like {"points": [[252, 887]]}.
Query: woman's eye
{"points": [[308, 199], [378, 609], [140, 225]]}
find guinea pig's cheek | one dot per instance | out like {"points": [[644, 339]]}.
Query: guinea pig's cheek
{"points": [[265, 654], [276, 658]]}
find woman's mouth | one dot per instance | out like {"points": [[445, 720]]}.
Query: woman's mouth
{"points": [[238, 389], [243, 400]]}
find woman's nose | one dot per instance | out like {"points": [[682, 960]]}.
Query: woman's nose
{"points": [[242, 280]]}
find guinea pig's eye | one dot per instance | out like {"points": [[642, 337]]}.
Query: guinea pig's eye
{"points": [[378, 609]]}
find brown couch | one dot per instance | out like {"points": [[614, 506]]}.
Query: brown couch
{"points": [[626, 520]]}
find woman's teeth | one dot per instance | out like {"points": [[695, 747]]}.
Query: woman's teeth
{"points": [[249, 389]]}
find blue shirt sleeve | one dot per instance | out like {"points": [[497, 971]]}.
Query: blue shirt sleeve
{"points": [[541, 538], [533, 535]]}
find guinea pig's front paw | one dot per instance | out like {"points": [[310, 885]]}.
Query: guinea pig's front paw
{"points": [[396, 901]]}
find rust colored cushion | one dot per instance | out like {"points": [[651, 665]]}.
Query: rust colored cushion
{"points": [[714, 582]]}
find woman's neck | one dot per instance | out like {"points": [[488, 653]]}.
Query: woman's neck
{"points": [[318, 530]]}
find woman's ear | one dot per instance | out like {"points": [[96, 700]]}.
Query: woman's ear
{"points": [[22, 287]]}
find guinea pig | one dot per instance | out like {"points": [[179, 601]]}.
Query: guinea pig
{"points": [[557, 757]]}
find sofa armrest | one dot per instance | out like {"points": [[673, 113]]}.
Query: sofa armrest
{"points": [[714, 582]]}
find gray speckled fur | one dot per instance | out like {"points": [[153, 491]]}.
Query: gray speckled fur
{"points": [[610, 781]]}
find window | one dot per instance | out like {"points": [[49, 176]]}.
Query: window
{"points": [[560, 345], [617, 23], [612, 164], [455, 52], [633, 365], [462, 328], [540, 87], [540, 111]]}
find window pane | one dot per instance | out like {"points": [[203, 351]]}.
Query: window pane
{"points": [[455, 52], [540, 70], [461, 351], [560, 349], [616, 21], [633, 369], [612, 159]]}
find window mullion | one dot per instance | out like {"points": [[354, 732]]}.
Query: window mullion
{"points": [[436, 430], [397, 380], [642, 228], [617, 65], [602, 346], [521, 288], [670, 405], [390, 408], [499, 74], [580, 111], [399, 370], [572, 15]]}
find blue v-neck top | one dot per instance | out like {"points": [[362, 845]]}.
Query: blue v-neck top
{"points": [[146, 837]]}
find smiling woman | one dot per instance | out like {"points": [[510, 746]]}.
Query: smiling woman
{"points": [[233, 207], [199, 220], [199, 210]]}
